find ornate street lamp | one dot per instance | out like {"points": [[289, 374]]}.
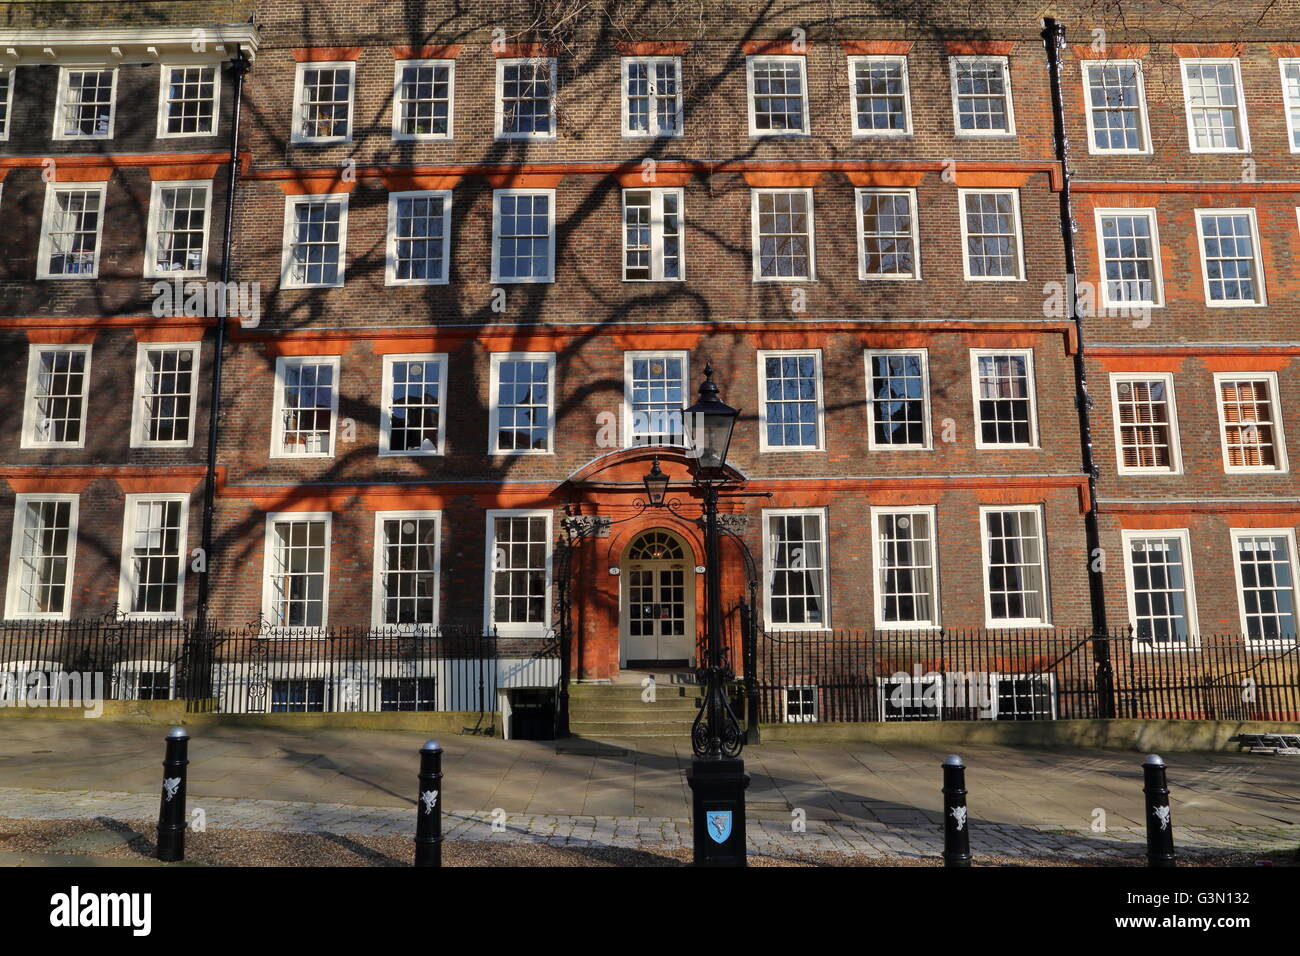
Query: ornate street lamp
{"points": [[656, 485], [708, 425]]}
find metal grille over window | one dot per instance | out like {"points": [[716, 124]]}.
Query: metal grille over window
{"points": [[1144, 425], [1248, 423], [797, 587], [191, 100], [409, 574], [519, 570]]}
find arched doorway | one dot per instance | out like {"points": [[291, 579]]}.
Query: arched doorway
{"points": [[657, 610]]}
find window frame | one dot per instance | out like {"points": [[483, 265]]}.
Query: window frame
{"points": [[1030, 374], [277, 406], [139, 422], [878, 595], [163, 101], [386, 405], [21, 500], [1244, 130], [1157, 268], [43, 247], [1261, 300], [1175, 442], [512, 629], [494, 409], [296, 138], [151, 270], [859, 195], [656, 132], [378, 594], [750, 61], [61, 96], [1014, 193], [1280, 456], [497, 195], [867, 356], [1127, 536], [756, 237], [29, 439], [399, 103], [629, 410], [499, 130], [763, 446], [8, 102], [390, 237], [859, 133], [268, 590], [1288, 534], [1144, 128], [1289, 110], [786, 716], [657, 194], [1008, 623], [290, 221], [823, 514], [126, 579], [1005, 63]]}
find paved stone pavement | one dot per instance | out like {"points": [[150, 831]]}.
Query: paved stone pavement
{"points": [[869, 800]]}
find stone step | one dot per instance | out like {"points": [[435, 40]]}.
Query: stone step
{"points": [[631, 691], [640, 728], [681, 707]]}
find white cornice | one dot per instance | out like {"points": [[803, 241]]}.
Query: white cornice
{"points": [[199, 42]]}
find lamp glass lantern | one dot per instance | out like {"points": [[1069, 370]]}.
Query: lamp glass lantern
{"points": [[708, 425], [656, 485]]}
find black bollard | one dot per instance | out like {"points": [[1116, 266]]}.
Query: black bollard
{"points": [[956, 832], [1160, 824], [171, 810], [428, 821]]}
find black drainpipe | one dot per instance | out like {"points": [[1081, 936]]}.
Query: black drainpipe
{"points": [[239, 65], [1054, 39]]}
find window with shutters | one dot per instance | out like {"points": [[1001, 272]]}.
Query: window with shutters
{"points": [[1146, 427], [1251, 423]]}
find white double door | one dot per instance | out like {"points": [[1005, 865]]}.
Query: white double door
{"points": [[658, 611]]}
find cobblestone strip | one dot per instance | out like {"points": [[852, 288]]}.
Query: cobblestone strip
{"points": [[766, 837]]}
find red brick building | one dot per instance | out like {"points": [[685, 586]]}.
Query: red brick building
{"points": [[494, 256]]}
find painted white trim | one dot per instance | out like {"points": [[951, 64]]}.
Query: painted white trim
{"points": [[514, 629], [872, 444], [286, 265], [1004, 63], [1127, 536], [133, 44], [802, 60], [386, 405], [823, 515], [499, 118], [631, 356], [496, 236], [61, 102], [151, 270], [277, 405], [295, 130], [398, 135], [390, 243], [29, 439], [15, 554], [965, 246], [12, 74], [268, 591], [494, 409], [1244, 131], [378, 594], [657, 194], [763, 355], [1032, 378], [126, 577], [1292, 126], [858, 132], [163, 103], [1175, 443], [1249, 213], [877, 579], [1288, 535], [1279, 437], [1144, 129], [1157, 269], [859, 197], [989, 621], [138, 420], [43, 247], [654, 132], [754, 236]]}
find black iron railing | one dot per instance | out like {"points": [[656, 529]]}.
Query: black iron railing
{"points": [[262, 669], [1018, 674]]}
